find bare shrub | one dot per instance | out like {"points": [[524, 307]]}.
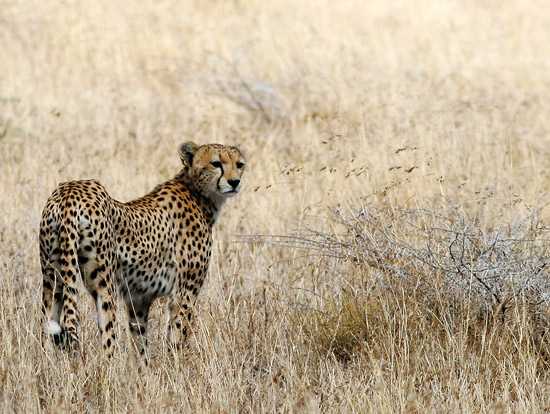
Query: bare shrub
{"points": [[491, 265], [438, 274]]}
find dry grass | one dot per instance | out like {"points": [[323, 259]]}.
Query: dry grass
{"points": [[440, 105]]}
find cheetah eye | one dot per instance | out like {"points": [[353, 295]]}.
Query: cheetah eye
{"points": [[216, 164], [240, 165]]}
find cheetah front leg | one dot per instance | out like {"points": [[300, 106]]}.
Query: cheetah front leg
{"points": [[182, 306], [180, 309], [138, 316]]}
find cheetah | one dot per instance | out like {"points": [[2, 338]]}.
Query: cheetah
{"points": [[157, 245]]}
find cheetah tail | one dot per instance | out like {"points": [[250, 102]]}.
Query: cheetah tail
{"points": [[69, 270]]}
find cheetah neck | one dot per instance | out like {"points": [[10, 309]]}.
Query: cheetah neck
{"points": [[211, 204]]}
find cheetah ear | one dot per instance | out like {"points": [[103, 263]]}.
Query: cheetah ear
{"points": [[239, 151], [187, 151]]}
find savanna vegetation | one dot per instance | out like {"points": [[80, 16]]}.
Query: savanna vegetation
{"points": [[388, 251]]}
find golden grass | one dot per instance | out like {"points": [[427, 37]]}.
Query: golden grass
{"points": [[335, 103]]}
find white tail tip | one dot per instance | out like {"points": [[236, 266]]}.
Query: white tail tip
{"points": [[52, 328]]}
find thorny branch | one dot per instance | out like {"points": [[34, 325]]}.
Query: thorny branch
{"points": [[503, 263]]}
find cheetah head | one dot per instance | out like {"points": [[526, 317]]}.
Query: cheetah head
{"points": [[215, 170]]}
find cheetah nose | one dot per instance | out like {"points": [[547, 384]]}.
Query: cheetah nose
{"points": [[233, 183]]}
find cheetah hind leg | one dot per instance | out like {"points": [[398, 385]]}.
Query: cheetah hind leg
{"points": [[100, 285], [70, 319]]}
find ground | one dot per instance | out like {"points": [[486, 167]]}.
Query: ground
{"points": [[335, 104]]}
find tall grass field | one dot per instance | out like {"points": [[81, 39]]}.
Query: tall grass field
{"points": [[389, 250]]}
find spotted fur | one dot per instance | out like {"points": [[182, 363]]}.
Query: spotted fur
{"points": [[157, 245]]}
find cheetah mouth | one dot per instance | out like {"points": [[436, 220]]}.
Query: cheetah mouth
{"points": [[230, 193]]}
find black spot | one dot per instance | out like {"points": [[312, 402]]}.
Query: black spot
{"points": [[70, 290], [95, 272]]}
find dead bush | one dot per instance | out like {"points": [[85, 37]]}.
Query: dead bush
{"points": [[413, 280]]}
